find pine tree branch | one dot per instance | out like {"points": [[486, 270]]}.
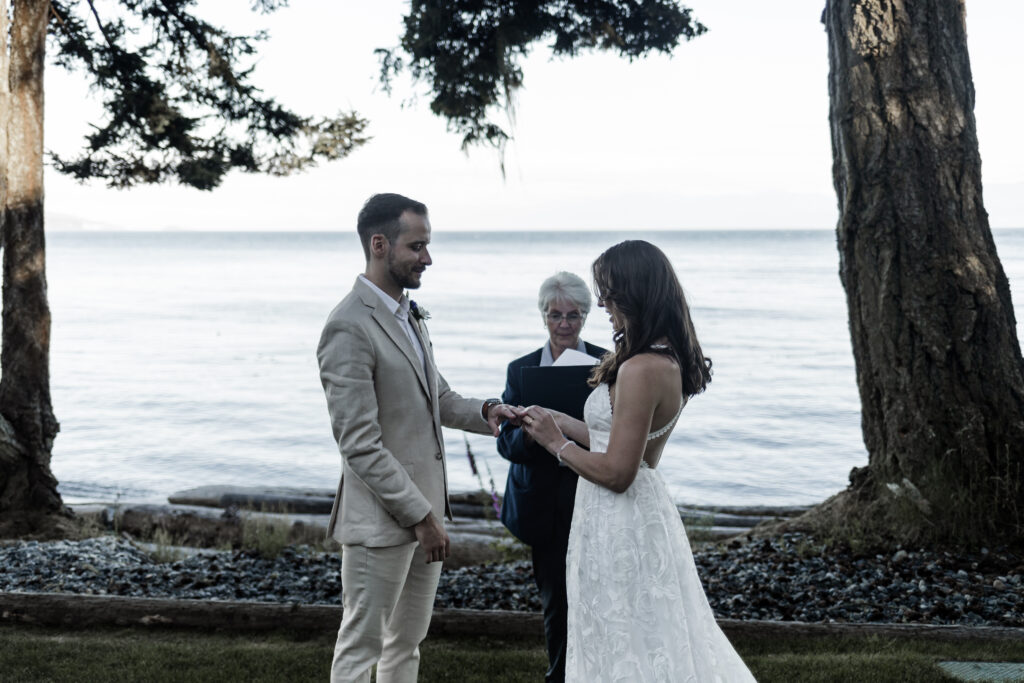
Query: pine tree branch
{"points": [[99, 24]]}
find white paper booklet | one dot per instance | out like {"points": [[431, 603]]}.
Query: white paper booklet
{"points": [[574, 357]]}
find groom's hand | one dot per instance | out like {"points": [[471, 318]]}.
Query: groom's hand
{"points": [[433, 538], [498, 413]]}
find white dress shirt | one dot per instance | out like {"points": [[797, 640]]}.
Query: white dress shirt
{"points": [[400, 309], [547, 359]]}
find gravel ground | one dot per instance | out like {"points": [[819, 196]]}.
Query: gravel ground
{"points": [[788, 578]]}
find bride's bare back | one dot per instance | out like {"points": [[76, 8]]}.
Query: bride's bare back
{"points": [[651, 383]]}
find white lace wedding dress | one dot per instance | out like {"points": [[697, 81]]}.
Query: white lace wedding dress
{"points": [[637, 610]]}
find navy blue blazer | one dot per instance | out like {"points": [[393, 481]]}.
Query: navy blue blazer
{"points": [[539, 493]]}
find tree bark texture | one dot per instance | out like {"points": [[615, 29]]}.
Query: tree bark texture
{"points": [[5, 104], [938, 362], [28, 489]]}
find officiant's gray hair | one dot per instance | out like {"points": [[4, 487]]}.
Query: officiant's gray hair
{"points": [[567, 287]]}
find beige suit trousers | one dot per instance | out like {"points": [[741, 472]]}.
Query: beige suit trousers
{"points": [[388, 599]]}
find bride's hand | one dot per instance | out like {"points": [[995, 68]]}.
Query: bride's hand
{"points": [[540, 424], [559, 418]]}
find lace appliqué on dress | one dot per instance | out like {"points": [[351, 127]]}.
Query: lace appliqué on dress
{"points": [[637, 609]]}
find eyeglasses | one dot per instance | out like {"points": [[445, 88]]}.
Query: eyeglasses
{"points": [[556, 318]]}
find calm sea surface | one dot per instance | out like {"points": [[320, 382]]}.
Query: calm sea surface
{"points": [[185, 359]]}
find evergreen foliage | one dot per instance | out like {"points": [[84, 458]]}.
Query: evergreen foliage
{"points": [[468, 51], [179, 103]]}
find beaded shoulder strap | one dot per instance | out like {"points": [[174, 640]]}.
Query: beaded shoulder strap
{"points": [[664, 430]]}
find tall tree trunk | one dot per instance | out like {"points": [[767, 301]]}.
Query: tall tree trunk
{"points": [[938, 362], [28, 489]]}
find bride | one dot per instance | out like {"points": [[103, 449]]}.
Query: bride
{"points": [[637, 610]]}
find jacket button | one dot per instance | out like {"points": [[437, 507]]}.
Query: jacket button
{"points": [[437, 457]]}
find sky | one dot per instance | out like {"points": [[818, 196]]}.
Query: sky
{"points": [[729, 132]]}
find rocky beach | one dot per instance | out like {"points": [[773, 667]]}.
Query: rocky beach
{"points": [[787, 578]]}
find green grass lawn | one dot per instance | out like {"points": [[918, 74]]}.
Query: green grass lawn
{"points": [[802, 660], [29, 654]]}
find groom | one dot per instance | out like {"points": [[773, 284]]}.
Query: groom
{"points": [[387, 403]]}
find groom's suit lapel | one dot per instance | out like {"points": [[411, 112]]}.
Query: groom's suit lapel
{"points": [[428, 359], [389, 323], [428, 356]]}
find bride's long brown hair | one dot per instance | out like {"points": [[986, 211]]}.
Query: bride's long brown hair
{"points": [[638, 279]]}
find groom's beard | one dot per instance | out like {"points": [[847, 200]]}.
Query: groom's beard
{"points": [[405, 275]]}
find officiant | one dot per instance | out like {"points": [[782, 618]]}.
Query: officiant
{"points": [[539, 494]]}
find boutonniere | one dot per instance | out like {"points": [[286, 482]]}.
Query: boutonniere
{"points": [[418, 311]]}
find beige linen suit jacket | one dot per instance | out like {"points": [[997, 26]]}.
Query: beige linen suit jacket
{"points": [[386, 414]]}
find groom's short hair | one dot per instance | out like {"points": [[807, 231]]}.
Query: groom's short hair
{"points": [[381, 215]]}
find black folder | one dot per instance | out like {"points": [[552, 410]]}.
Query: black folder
{"points": [[561, 388]]}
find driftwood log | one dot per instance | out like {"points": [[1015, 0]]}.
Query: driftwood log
{"points": [[84, 611], [473, 541], [713, 522], [221, 516]]}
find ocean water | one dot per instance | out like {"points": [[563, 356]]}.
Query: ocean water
{"points": [[185, 359]]}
